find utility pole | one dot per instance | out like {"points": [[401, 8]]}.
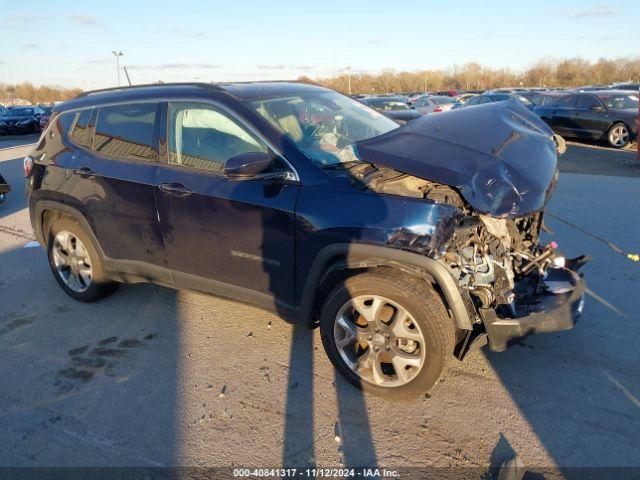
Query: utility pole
{"points": [[349, 78], [117, 55]]}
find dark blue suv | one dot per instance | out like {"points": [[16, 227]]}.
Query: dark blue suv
{"points": [[408, 245]]}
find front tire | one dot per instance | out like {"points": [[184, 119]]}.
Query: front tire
{"points": [[387, 333], [75, 262], [618, 135]]}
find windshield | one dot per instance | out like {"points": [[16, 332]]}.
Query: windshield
{"points": [[386, 105], [324, 125], [618, 101], [21, 112]]}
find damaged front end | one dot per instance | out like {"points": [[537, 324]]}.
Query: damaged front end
{"points": [[499, 179], [518, 286]]}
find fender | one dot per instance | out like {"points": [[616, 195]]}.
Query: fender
{"points": [[363, 255]]}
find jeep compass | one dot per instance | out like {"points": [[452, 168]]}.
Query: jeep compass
{"points": [[407, 245]]}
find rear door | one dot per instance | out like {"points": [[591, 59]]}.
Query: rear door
{"points": [[112, 177], [228, 237]]}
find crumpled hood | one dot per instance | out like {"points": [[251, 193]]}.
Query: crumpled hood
{"points": [[501, 157]]}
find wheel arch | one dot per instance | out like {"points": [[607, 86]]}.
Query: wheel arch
{"points": [[45, 211], [615, 122], [337, 261]]}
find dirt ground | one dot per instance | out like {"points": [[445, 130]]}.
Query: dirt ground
{"points": [[152, 377]]}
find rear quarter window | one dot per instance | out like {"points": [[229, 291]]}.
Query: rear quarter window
{"points": [[62, 122], [126, 131], [80, 133]]}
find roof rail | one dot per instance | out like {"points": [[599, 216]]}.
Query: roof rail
{"points": [[147, 85]]}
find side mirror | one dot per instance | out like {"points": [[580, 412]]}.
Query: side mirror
{"points": [[596, 108], [252, 166]]}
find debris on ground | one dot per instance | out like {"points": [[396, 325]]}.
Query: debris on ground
{"points": [[337, 432]]}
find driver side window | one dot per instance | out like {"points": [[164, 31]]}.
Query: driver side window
{"points": [[203, 137]]}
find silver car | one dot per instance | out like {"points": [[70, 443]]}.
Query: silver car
{"points": [[433, 103]]}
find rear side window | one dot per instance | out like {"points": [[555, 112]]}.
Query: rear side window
{"points": [[564, 101], [587, 101], [80, 134], [126, 131], [203, 137]]}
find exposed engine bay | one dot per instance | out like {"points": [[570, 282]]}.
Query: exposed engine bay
{"points": [[498, 261]]}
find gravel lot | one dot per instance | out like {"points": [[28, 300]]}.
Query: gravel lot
{"points": [[156, 377]]}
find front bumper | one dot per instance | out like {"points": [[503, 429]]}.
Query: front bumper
{"points": [[551, 312]]}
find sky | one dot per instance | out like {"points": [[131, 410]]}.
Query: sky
{"points": [[70, 43]]}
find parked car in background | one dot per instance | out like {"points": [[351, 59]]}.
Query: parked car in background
{"points": [[393, 107], [21, 120], [601, 114], [446, 93], [498, 97], [433, 104], [3, 128], [4, 188], [463, 97], [537, 97], [507, 90], [404, 243], [44, 119], [626, 86], [590, 88]]}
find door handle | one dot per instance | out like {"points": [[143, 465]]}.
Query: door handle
{"points": [[84, 172], [175, 189]]}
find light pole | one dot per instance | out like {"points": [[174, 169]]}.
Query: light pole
{"points": [[349, 78], [117, 55]]}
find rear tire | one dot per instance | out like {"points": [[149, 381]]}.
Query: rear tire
{"points": [[75, 262], [402, 341], [618, 135]]}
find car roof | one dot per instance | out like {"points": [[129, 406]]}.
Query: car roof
{"points": [[244, 90], [609, 91]]}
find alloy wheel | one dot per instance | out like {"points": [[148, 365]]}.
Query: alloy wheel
{"points": [[619, 136], [72, 261], [379, 340]]}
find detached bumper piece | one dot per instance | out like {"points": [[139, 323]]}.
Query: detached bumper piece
{"points": [[556, 308]]}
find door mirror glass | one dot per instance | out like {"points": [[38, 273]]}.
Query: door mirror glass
{"points": [[250, 166], [596, 108]]}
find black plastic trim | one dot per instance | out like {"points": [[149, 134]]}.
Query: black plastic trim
{"points": [[362, 255]]}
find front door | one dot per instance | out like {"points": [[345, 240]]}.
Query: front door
{"points": [[227, 237], [590, 117]]}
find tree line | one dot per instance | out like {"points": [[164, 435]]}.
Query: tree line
{"points": [[572, 72], [42, 94]]}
